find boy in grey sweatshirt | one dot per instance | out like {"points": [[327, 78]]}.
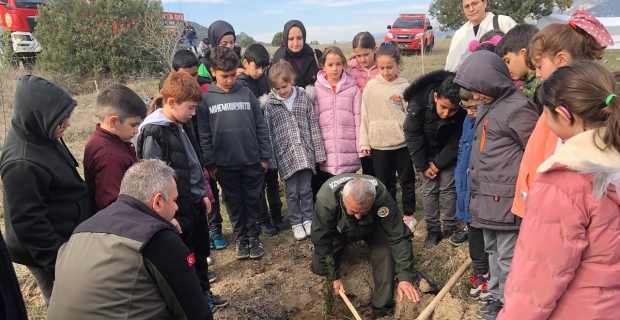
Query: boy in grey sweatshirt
{"points": [[236, 149]]}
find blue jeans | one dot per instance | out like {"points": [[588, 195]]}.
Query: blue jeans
{"points": [[191, 44]]}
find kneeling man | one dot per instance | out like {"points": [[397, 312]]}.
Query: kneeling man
{"points": [[353, 207]]}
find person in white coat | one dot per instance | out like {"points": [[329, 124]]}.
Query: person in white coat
{"points": [[480, 22]]}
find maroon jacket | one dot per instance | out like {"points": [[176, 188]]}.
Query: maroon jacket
{"points": [[106, 158]]}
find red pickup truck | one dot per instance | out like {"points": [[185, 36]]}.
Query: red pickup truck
{"points": [[19, 18], [410, 32]]}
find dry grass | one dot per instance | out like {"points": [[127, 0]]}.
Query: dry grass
{"points": [[439, 262]]}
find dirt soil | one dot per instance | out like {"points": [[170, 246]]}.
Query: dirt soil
{"points": [[281, 286]]}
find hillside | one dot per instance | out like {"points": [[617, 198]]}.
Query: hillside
{"points": [[611, 8]]}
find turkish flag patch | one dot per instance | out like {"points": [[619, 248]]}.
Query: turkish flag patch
{"points": [[191, 260]]}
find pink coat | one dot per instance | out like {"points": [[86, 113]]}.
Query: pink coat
{"points": [[566, 262], [362, 76], [340, 116]]}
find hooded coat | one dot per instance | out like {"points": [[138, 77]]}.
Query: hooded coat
{"points": [[217, 30], [307, 74], [501, 132], [340, 118], [430, 138], [44, 196], [566, 262]]}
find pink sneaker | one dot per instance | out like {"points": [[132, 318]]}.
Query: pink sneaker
{"points": [[410, 222]]}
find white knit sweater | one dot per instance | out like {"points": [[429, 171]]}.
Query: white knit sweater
{"points": [[383, 114]]}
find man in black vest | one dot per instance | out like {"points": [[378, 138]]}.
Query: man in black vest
{"points": [[129, 254]]}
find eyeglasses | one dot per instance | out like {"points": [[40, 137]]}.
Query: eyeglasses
{"points": [[466, 108], [474, 4]]}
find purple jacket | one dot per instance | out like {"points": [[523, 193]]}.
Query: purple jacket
{"points": [[339, 117]]}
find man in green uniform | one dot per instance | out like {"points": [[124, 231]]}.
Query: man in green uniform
{"points": [[353, 207]]}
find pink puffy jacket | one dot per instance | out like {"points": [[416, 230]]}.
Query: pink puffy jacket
{"points": [[566, 262], [362, 76], [340, 116]]}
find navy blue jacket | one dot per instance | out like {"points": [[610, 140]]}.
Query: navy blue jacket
{"points": [[461, 176]]}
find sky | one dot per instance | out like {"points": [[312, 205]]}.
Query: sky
{"points": [[325, 20]]}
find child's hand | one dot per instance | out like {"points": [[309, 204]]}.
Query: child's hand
{"points": [[207, 203], [240, 71], [213, 173], [432, 165], [429, 173], [176, 224], [366, 153], [265, 165]]}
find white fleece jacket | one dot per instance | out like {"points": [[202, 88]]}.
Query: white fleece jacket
{"points": [[383, 114]]}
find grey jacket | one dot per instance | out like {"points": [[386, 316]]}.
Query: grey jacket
{"points": [[500, 134], [295, 135]]}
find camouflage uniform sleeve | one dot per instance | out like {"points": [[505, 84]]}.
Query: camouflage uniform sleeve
{"points": [[397, 233]]}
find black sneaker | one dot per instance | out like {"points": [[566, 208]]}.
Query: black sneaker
{"points": [[446, 234], [432, 239], [267, 228], [215, 302], [279, 224], [490, 310], [243, 251], [256, 248], [459, 237], [211, 277]]}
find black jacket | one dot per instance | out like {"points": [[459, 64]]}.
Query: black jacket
{"points": [[44, 196], [258, 86], [232, 130], [11, 302], [430, 138], [168, 138], [309, 68]]}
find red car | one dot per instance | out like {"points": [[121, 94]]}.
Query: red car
{"points": [[410, 31]]}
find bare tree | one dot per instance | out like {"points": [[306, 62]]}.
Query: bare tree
{"points": [[159, 37]]}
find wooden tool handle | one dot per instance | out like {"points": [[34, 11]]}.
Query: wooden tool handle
{"points": [[346, 300], [453, 280]]}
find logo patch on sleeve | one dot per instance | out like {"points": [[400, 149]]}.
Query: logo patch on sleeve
{"points": [[191, 260], [383, 212]]}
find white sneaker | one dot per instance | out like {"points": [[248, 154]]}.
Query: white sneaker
{"points": [[298, 232], [308, 227], [209, 261]]}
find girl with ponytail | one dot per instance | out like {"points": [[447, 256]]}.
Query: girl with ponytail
{"points": [[566, 263]]}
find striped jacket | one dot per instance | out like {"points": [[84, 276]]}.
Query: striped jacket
{"points": [[295, 135]]}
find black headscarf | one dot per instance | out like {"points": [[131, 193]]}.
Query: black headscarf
{"points": [[306, 48], [217, 30]]}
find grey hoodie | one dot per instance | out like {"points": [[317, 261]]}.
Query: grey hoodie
{"points": [[151, 150], [232, 131], [501, 132]]}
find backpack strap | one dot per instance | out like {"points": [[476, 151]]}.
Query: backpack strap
{"points": [[316, 59], [496, 23]]}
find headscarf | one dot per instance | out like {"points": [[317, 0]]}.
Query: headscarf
{"points": [[306, 48], [217, 30], [584, 21]]}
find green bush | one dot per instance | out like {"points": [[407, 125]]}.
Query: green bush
{"points": [[277, 40], [97, 39]]}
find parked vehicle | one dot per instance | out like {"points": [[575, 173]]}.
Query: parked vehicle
{"points": [[19, 18], [412, 32]]}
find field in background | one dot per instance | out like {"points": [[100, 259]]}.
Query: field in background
{"points": [[280, 285]]}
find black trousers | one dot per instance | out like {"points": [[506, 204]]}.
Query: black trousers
{"points": [[367, 166], [318, 180], [195, 235], [215, 217], [383, 269], [243, 189], [479, 258], [387, 163], [274, 211]]}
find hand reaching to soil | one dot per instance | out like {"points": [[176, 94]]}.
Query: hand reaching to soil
{"points": [[405, 287], [338, 287]]}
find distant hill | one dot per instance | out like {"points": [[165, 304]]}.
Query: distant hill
{"points": [[610, 8], [201, 31]]}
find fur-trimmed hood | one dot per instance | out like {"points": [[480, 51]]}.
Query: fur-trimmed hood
{"points": [[582, 153], [309, 91], [425, 83]]}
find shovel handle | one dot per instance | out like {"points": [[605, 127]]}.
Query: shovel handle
{"points": [[346, 300]]}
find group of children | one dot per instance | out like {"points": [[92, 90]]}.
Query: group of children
{"points": [[476, 137]]}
